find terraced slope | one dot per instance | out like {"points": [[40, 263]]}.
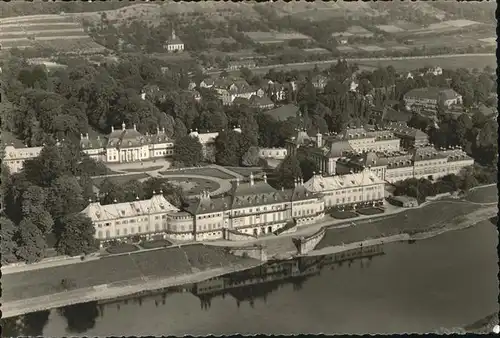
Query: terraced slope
{"points": [[59, 32]]}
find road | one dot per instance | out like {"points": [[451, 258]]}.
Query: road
{"points": [[357, 60]]}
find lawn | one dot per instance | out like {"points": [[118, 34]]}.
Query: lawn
{"points": [[194, 186], [209, 172], [370, 211], [413, 219], [483, 195], [121, 248], [120, 180], [343, 214], [140, 170], [243, 171], [156, 243], [114, 269]]}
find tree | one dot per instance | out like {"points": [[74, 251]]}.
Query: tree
{"points": [[32, 245], [77, 236], [227, 145], [110, 192], [251, 157], [65, 196], [180, 129], [7, 232], [188, 150], [288, 171], [308, 168]]}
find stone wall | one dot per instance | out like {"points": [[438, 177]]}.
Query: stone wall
{"points": [[234, 235], [254, 251], [307, 243]]}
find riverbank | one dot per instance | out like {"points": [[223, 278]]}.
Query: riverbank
{"points": [[461, 223], [106, 292], [134, 286]]}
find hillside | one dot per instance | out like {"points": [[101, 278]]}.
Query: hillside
{"points": [[55, 31]]}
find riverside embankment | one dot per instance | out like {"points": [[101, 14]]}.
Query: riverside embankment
{"points": [[117, 276]]}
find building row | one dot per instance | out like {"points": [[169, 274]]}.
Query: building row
{"points": [[250, 209], [394, 153]]}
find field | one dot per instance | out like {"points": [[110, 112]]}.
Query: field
{"points": [[120, 180], [50, 31], [464, 61], [116, 269], [371, 48], [274, 37]]}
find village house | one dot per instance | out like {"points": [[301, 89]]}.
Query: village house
{"points": [[430, 98], [238, 64], [261, 102], [319, 81], [231, 88]]}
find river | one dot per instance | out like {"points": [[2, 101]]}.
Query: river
{"points": [[444, 282]]}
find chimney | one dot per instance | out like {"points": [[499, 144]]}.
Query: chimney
{"points": [[282, 188], [265, 178], [87, 135], [237, 181], [295, 181], [135, 127], [251, 179], [81, 136], [163, 130], [157, 129], [301, 181], [123, 125], [112, 129]]}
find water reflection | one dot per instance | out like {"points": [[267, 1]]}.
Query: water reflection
{"points": [[244, 286], [80, 317], [30, 325]]}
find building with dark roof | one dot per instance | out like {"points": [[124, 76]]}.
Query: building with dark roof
{"points": [[127, 145], [429, 98], [250, 208], [285, 112]]}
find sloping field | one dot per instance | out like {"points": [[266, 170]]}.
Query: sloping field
{"points": [[453, 62], [59, 32], [390, 28]]}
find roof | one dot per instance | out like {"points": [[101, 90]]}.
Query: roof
{"points": [[260, 101], [390, 114], [319, 183], [402, 130], [12, 153], [338, 149], [432, 93], [205, 138], [156, 204], [427, 153], [284, 112]]}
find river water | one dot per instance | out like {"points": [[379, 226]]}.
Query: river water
{"points": [[444, 282]]}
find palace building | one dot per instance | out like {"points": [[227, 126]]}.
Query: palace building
{"points": [[128, 145], [353, 189], [324, 150], [420, 162], [248, 210], [122, 220], [14, 157]]}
